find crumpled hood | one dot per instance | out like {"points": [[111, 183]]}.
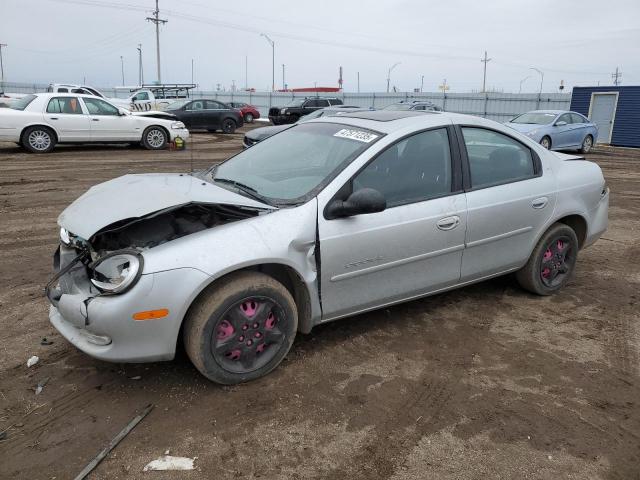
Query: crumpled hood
{"points": [[524, 127], [134, 196]]}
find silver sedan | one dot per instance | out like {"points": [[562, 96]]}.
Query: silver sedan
{"points": [[332, 217]]}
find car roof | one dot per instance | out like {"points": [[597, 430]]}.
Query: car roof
{"points": [[63, 94], [385, 121], [555, 112]]}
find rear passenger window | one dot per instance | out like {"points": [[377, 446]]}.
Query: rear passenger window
{"points": [[322, 103], [64, 105], [414, 169], [495, 158], [575, 118]]}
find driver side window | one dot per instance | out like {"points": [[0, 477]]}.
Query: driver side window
{"points": [[413, 170]]}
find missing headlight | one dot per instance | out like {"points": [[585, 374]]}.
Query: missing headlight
{"points": [[117, 272]]}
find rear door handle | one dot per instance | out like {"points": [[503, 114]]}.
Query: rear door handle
{"points": [[95, 119], [448, 223], [53, 118], [539, 202]]}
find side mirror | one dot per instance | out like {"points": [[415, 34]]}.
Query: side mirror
{"points": [[561, 123], [365, 200], [123, 111]]}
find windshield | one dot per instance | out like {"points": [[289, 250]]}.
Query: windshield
{"points": [[285, 168], [535, 118], [177, 105], [295, 103], [398, 106], [21, 103]]}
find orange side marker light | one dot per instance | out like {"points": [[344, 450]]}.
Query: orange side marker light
{"points": [[151, 314]]}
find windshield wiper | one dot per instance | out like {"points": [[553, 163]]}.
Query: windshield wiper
{"points": [[246, 189]]}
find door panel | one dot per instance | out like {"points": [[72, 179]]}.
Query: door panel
{"points": [[371, 260], [108, 125], [602, 111], [564, 136], [65, 114]]}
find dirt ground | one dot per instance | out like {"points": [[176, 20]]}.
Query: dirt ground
{"points": [[484, 382]]}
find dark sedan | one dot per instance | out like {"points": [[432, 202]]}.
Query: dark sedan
{"points": [[205, 114]]}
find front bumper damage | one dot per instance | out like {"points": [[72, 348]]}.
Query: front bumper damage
{"points": [[102, 325]]}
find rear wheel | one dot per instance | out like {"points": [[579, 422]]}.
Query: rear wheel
{"points": [[552, 262], [38, 139], [242, 329], [228, 125], [248, 118], [587, 143], [546, 142], [155, 138]]}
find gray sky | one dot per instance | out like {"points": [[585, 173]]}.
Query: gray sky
{"points": [[578, 41]]}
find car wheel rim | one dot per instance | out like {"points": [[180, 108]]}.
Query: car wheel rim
{"points": [[587, 144], [228, 126], [39, 140], [556, 262], [249, 334], [155, 138], [545, 143], [249, 118]]}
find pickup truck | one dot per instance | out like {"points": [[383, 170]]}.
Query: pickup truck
{"points": [[299, 107], [142, 100]]}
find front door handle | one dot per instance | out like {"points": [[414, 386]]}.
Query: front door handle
{"points": [[448, 223], [95, 119], [53, 118], [539, 202]]}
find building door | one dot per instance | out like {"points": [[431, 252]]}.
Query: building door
{"points": [[602, 112]]}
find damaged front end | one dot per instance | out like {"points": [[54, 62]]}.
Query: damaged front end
{"points": [[111, 261]]}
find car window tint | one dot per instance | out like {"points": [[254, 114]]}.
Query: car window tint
{"points": [[100, 107], [69, 105], [495, 158], [576, 118], [311, 103], [63, 90], [213, 105], [142, 96], [565, 117], [323, 103], [414, 169], [196, 105]]}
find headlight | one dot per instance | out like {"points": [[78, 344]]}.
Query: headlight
{"points": [[117, 272], [64, 236], [177, 125]]}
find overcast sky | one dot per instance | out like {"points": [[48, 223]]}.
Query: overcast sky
{"points": [[578, 41]]}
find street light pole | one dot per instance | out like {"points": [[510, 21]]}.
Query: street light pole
{"points": [[522, 81], [541, 76], [421, 83], [284, 85], [273, 61], [122, 68], [389, 75], [1, 69], [140, 72]]}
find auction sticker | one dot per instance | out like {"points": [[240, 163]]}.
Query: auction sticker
{"points": [[359, 135]]}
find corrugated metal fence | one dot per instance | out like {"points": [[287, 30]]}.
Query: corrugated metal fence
{"points": [[496, 106]]}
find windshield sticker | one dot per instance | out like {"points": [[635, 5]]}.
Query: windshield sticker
{"points": [[359, 135]]}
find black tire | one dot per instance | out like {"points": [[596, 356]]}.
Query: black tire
{"points": [[546, 142], [155, 138], [38, 139], [240, 329], [228, 125], [587, 143], [552, 262], [248, 118]]}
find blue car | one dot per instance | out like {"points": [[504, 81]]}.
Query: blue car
{"points": [[557, 129]]}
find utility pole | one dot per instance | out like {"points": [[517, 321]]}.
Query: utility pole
{"points": [[192, 71], [616, 77], [273, 61], [246, 65], [284, 85], [389, 74], [140, 71], [157, 20], [1, 69], [485, 60], [422, 83], [122, 69], [358, 82]]}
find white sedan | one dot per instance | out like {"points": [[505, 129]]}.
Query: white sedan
{"points": [[39, 121]]}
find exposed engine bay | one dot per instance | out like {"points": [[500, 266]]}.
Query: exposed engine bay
{"points": [[165, 226]]}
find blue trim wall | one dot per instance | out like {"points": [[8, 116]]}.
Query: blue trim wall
{"points": [[626, 126]]}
